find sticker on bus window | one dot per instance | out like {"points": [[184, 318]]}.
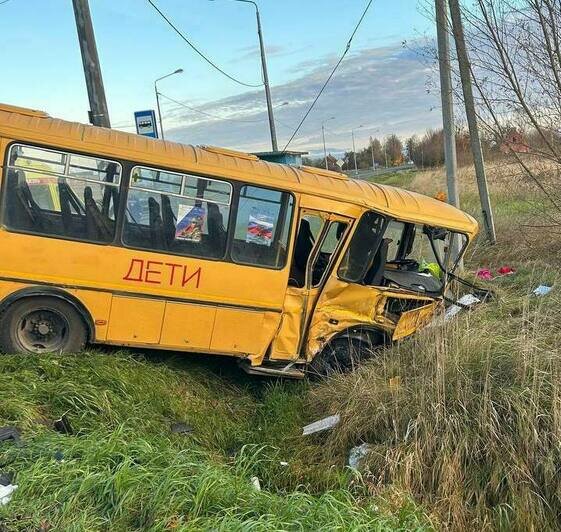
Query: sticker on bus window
{"points": [[260, 229], [190, 223]]}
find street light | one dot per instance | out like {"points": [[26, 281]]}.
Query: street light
{"points": [[265, 76], [178, 71], [323, 135], [354, 150]]}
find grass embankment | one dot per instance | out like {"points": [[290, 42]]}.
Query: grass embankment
{"points": [[123, 468], [471, 430]]}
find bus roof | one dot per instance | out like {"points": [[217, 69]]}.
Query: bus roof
{"points": [[36, 126]]}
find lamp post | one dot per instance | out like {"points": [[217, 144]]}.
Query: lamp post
{"points": [[178, 71], [354, 150], [323, 136], [265, 76]]}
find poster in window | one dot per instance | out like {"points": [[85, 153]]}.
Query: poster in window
{"points": [[260, 229], [190, 223]]}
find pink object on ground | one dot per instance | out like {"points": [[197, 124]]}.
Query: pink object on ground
{"points": [[506, 270], [484, 274]]}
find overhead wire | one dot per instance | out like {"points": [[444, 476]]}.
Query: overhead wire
{"points": [[347, 48], [193, 47]]}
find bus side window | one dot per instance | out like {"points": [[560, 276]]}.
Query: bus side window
{"points": [[262, 227], [61, 194], [177, 213]]}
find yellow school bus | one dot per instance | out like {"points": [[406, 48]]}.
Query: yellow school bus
{"points": [[114, 238]]}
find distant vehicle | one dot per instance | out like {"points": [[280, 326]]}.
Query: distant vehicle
{"points": [[113, 238]]}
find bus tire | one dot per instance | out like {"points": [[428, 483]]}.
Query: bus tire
{"points": [[37, 325], [340, 356]]}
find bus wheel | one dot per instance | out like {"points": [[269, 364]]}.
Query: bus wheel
{"points": [[339, 356], [42, 325]]}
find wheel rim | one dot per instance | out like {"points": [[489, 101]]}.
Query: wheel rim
{"points": [[42, 331]]}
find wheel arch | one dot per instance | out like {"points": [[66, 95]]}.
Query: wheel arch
{"points": [[362, 333], [48, 291]]}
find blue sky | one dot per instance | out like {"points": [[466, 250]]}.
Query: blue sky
{"points": [[381, 85]]}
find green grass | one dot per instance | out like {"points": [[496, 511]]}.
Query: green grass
{"points": [[123, 469]]}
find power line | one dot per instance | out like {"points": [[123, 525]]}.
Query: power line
{"points": [[209, 61], [4, 2], [347, 48]]}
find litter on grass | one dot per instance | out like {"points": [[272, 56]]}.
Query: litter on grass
{"points": [[181, 428], [357, 455], [6, 493], [542, 290], [465, 301], [10, 433], [321, 425], [63, 425], [256, 483], [484, 274]]}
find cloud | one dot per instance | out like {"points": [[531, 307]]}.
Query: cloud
{"points": [[383, 89], [251, 52]]}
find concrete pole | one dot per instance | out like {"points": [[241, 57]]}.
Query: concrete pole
{"points": [[447, 103], [465, 75], [324, 148], [99, 114], [266, 83]]}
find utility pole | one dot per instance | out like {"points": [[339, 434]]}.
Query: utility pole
{"points": [[465, 75], [372, 153], [99, 115], [447, 103], [324, 148]]}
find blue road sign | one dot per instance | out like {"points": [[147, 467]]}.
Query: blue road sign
{"points": [[146, 123]]}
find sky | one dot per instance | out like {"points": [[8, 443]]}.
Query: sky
{"points": [[380, 88]]}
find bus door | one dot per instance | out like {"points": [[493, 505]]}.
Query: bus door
{"points": [[318, 241]]}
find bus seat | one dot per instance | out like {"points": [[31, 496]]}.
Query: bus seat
{"points": [[216, 230], [30, 206], [98, 227], [169, 220], [302, 250], [375, 274], [65, 210], [157, 240], [18, 212]]}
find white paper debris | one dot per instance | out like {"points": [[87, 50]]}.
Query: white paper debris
{"points": [[357, 454], [542, 290], [6, 493], [453, 310], [322, 424], [256, 483]]}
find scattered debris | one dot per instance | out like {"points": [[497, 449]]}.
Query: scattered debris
{"points": [[181, 428], [6, 493], [256, 483], [465, 301], [6, 478], [284, 464], [441, 196], [506, 270], [542, 290], [357, 454], [63, 425], [58, 456], [321, 425], [10, 433], [484, 274]]}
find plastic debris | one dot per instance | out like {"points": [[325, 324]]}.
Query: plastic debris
{"points": [[63, 425], [6, 493], [484, 274], [506, 270], [357, 454], [542, 290], [58, 456], [10, 433], [284, 464], [467, 301], [256, 483], [181, 428], [321, 425]]}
